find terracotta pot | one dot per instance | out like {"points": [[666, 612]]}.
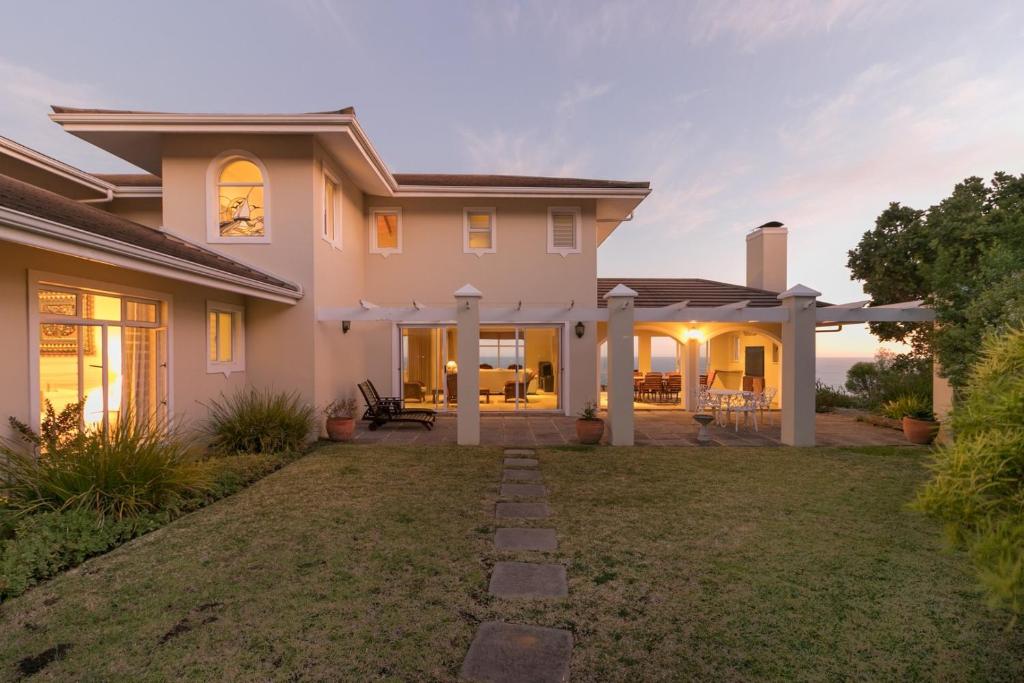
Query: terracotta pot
{"points": [[589, 431], [340, 428], [920, 431]]}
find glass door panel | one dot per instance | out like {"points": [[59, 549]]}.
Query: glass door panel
{"points": [[542, 365]]}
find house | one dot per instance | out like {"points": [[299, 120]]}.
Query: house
{"points": [[279, 251]]}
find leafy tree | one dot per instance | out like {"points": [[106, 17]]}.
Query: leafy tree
{"points": [[964, 256]]}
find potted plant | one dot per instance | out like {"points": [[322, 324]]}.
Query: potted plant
{"points": [[589, 427], [918, 420], [341, 419]]}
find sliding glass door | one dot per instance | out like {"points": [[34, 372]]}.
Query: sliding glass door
{"points": [[520, 367]]}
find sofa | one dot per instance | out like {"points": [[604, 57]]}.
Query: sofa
{"points": [[494, 380]]}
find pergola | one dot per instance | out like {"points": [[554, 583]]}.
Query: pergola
{"points": [[798, 313]]}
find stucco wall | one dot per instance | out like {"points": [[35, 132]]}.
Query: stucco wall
{"points": [[433, 265], [190, 383]]}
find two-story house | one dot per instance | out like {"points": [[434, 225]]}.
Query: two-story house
{"points": [[279, 251]]}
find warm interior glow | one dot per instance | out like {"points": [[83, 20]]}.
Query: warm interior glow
{"points": [[240, 190], [387, 230], [694, 333], [479, 230]]}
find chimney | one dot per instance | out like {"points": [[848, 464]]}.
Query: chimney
{"points": [[766, 257]]}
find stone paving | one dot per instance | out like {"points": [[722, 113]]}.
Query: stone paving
{"points": [[653, 428], [522, 653]]}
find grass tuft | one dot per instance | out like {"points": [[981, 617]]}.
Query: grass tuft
{"points": [[259, 421]]}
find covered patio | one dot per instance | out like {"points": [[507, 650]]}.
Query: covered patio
{"points": [[652, 428]]}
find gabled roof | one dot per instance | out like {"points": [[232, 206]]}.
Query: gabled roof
{"points": [[656, 292], [131, 179], [497, 180], [141, 241]]}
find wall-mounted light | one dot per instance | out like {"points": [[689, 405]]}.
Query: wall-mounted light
{"points": [[693, 333], [581, 329], [346, 325], [451, 366]]}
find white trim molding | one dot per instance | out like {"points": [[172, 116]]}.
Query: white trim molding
{"points": [[492, 213], [577, 215], [213, 172], [237, 361], [372, 226]]}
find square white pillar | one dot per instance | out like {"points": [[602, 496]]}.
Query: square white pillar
{"points": [[620, 364], [798, 365], [643, 346], [691, 373], [467, 320]]}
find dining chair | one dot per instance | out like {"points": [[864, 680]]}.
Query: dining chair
{"points": [[745, 404]]}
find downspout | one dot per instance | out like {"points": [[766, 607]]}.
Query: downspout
{"points": [[103, 200]]}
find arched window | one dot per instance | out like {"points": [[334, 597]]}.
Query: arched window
{"points": [[239, 201]]}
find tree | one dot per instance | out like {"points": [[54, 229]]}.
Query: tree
{"points": [[964, 256]]}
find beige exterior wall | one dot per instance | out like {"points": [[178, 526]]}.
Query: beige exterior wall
{"points": [[190, 384], [147, 211], [433, 265]]}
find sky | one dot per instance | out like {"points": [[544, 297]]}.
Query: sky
{"points": [[814, 113]]}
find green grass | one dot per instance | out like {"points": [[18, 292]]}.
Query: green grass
{"points": [[371, 563]]}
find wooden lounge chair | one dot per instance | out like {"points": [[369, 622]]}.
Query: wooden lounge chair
{"points": [[652, 388], [383, 410], [673, 386]]}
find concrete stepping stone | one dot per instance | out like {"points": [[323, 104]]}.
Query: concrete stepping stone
{"points": [[520, 451], [520, 462], [528, 580], [526, 539], [522, 511], [524, 490], [512, 653], [521, 475]]}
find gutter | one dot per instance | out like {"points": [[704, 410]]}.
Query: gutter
{"points": [[22, 228]]}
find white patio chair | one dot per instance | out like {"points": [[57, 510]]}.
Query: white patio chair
{"points": [[714, 404], [745, 404], [764, 403]]}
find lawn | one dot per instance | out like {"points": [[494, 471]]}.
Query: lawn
{"points": [[359, 563]]}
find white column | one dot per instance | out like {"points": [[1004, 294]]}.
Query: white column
{"points": [[467, 319], [620, 364], [798, 365], [691, 373], [643, 361]]}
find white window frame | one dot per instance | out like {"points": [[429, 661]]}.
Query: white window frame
{"points": [[734, 348], [213, 172], [578, 217], [237, 362], [332, 235], [490, 211], [38, 279], [374, 212]]}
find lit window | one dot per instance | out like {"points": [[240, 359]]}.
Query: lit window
{"points": [[564, 230], [735, 346], [225, 347], [479, 231], [331, 228], [238, 200], [385, 231]]}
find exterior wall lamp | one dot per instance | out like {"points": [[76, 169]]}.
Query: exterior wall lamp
{"points": [[346, 325], [581, 329]]}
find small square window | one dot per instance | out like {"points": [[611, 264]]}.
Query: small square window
{"points": [[385, 231], [225, 346], [564, 230], [479, 231]]}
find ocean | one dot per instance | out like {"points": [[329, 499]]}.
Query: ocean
{"points": [[830, 371]]}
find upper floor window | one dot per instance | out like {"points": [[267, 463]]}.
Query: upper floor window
{"points": [[331, 225], [239, 199], [385, 231], [479, 231], [564, 230]]}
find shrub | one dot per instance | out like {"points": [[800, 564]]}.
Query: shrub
{"points": [[827, 399], [132, 468], [253, 421], [49, 542], [978, 482], [890, 377], [909, 405]]}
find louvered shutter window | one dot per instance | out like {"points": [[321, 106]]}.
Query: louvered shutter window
{"points": [[563, 230]]}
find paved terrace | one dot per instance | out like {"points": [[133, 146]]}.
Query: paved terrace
{"points": [[653, 428]]}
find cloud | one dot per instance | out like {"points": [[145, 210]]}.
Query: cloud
{"points": [[580, 94], [25, 98], [522, 153]]}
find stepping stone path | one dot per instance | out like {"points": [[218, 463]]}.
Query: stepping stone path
{"points": [[512, 653]]}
